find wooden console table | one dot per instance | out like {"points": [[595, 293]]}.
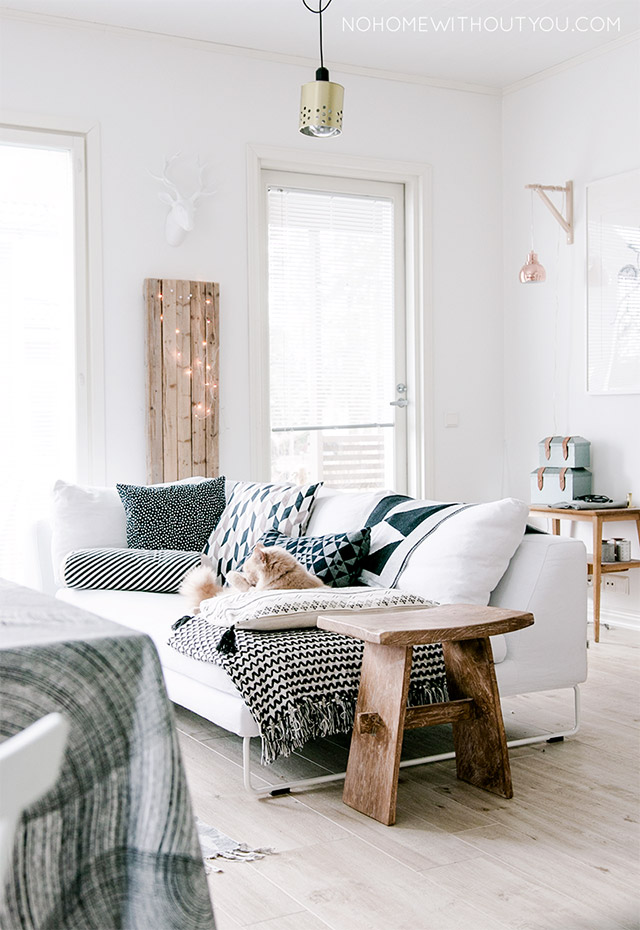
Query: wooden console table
{"points": [[595, 566], [382, 715]]}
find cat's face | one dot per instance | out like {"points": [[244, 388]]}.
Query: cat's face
{"points": [[266, 563]]}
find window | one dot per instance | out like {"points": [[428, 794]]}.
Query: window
{"points": [[43, 373], [336, 330]]}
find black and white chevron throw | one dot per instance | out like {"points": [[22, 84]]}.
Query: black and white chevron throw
{"points": [[301, 684]]}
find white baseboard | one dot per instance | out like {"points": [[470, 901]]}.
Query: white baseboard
{"points": [[624, 618]]}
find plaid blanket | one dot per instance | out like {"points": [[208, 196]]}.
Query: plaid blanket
{"points": [[301, 684], [113, 845]]}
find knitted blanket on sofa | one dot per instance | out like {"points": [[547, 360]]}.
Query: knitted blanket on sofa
{"points": [[301, 684]]}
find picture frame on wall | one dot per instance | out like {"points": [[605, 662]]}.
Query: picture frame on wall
{"points": [[613, 285]]}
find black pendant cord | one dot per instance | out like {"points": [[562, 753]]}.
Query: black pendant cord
{"points": [[319, 12]]}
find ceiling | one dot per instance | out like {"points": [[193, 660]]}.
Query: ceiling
{"points": [[499, 43]]}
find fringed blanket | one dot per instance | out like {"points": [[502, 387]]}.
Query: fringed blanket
{"points": [[301, 684]]}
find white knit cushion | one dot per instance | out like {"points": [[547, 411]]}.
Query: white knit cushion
{"points": [[288, 610]]}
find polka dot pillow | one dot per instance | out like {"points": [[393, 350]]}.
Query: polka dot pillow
{"points": [[176, 516]]}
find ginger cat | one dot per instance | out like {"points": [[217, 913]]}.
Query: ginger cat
{"points": [[271, 567], [268, 567]]}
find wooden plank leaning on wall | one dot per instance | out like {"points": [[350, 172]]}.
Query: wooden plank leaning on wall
{"points": [[182, 355]]}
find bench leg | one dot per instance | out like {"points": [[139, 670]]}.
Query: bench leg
{"points": [[371, 783], [482, 758]]}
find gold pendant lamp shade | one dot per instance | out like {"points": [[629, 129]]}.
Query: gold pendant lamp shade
{"points": [[321, 106], [321, 100]]}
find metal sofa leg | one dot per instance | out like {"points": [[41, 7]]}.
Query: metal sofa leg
{"points": [[276, 790]]}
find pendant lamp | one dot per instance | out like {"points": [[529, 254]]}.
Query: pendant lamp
{"points": [[321, 100], [532, 271]]}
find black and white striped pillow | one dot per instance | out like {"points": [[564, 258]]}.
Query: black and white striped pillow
{"points": [[160, 571]]}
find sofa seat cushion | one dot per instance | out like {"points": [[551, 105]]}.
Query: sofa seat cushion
{"points": [[449, 553], [152, 614]]}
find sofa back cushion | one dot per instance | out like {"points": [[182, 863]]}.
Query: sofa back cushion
{"points": [[337, 511], [450, 553]]}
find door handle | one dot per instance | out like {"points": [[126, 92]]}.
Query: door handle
{"points": [[402, 401]]}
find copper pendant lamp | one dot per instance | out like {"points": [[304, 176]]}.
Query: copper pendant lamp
{"points": [[321, 100]]}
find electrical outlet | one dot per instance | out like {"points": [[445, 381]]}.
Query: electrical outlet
{"points": [[618, 584]]}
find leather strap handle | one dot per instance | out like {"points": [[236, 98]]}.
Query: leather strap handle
{"points": [[547, 447], [565, 447], [540, 478], [563, 472]]}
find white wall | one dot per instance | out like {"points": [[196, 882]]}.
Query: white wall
{"points": [[152, 98], [580, 124]]}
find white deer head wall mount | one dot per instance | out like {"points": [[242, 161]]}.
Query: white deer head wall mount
{"points": [[181, 215]]}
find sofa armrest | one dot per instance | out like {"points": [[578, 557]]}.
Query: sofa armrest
{"points": [[547, 577]]}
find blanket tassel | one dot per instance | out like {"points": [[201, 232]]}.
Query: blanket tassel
{"points": [[227, 645]]}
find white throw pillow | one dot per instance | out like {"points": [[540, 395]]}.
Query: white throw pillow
{"points": [[456, 554], [290, 610], [85, 518], [337, 511]]}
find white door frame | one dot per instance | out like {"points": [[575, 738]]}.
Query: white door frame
{"points": [[416, 179], [89, 301]]}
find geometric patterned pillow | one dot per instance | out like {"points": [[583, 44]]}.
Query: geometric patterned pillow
{"points": [[128, 569], [450, 553], [398, 525], [252, 509], [334, 559], [173, 516]]}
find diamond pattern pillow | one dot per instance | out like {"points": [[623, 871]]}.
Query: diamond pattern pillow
{"points": [[334, 559], [251, 510], [173, 516]]}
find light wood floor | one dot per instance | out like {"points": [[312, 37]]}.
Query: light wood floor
{"points": [[562, 855]]}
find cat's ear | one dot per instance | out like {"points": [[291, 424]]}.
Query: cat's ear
{"points": [[261, 552]]}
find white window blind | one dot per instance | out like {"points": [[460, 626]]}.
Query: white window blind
{"points": [[38, 403], [330, 308], [331, 335]]}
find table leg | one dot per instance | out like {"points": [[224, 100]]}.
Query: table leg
{"points": [[371, 784], [597, 575], [482, 758]]}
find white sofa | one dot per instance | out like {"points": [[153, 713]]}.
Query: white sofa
{"points": [[545, 576]]}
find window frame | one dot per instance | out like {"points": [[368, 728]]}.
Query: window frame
{"points": [[83, 144], [416, 179]]}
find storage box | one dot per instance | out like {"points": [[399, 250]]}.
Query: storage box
{"points": [[552, 485], [565, 452]]}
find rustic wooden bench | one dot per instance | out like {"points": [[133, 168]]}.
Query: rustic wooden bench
{"points": [[382, 715]]}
